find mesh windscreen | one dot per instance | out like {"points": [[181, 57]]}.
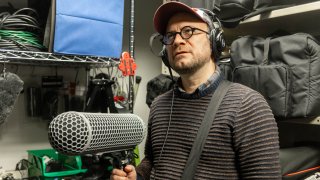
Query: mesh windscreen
{"points": [[76, 133]]}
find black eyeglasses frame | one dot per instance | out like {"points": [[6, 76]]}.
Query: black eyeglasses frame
{"points": [[174, 34]]}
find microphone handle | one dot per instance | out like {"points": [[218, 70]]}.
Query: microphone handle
{"points": [[122, 158]]}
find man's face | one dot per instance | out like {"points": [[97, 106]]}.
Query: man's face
{"points": [[186, 56]]}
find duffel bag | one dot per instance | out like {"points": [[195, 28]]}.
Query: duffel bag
{"points": [[285, 70], [231, 12], [207, 4], [299, 162]]}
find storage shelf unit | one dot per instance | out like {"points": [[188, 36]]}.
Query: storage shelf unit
{"points": [[300, 18], [47, 59], [294, 19], [51, 59]]}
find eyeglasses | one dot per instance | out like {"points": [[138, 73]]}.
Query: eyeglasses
{"points": [[186, 33]]}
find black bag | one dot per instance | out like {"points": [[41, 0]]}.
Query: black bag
{"points": [[231, 12], [157, 86], [207, 4], [225, 68], [285, 70], [299, 162]]}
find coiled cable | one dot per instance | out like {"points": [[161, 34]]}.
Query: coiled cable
{"points": [[23, 19], [20, 40], [20, 30]]}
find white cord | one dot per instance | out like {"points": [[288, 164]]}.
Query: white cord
{"points": [[165, 139]]}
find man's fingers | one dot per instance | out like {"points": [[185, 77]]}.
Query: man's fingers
{"points": [[129, 168], [128, 173], [119, 172]]}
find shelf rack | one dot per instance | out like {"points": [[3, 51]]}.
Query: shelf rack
{"points": [[47, 59], [51, 59], [299, 18]]}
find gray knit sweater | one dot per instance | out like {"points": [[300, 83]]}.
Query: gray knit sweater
{"points": [[242, 142]]}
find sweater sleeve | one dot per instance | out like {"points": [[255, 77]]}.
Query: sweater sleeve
{"points": [[145, 167], [256, 139]]}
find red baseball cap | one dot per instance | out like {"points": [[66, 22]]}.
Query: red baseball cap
{"points": [[167, 10]]}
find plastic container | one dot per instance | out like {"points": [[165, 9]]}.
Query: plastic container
{"points": [[49, 164]]}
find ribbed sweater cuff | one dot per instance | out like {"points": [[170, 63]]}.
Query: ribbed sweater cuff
{"points": [[139, 177]]}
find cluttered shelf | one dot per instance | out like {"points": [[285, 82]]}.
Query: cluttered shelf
{"points": [[47, 59], [299, 18]]}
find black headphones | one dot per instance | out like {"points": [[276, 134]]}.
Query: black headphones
{"points": [[216, 38]]}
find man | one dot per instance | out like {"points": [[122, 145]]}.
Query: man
{"points": [[243, 139]]}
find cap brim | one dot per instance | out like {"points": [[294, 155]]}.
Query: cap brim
{"points": [[166, 11]]}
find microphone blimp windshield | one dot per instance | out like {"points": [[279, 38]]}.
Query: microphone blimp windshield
{"points": [[76, 133]]}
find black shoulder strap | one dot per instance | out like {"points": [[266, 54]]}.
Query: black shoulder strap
{"points": [[203, 131]]}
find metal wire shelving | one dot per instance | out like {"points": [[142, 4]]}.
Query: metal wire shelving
{"points": [[50, 59]]}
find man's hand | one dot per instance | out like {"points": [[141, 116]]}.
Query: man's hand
{"points": [[128, 173]]}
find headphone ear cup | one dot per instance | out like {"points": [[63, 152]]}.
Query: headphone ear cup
{"points": [[214, 43], [216, 35], [217, 41], [164, 57], [220, 41]]}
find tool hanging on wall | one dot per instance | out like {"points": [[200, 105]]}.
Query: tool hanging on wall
{"points": [[127, 65], [120, 95], [128, 68]]}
